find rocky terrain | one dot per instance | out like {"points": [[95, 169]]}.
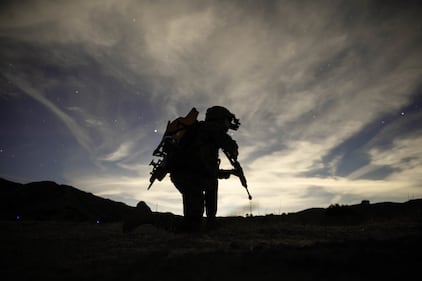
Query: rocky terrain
{"points": [[78, 236]]}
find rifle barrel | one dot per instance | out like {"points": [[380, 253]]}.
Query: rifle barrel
{"points": [[149, 186], [239, 172]]}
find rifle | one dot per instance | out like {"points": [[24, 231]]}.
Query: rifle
{"points": [[160, 169], [158, 172], [237, 171]]}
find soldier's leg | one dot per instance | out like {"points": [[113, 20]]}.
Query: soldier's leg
{"points": [[193, 206], [211, 197], [193, 199]]}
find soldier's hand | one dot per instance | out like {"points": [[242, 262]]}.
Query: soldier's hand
{"points": [[224, 174]]}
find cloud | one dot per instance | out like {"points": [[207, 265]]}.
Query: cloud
{"points": [[311, 83], [122, 151], [77, 131], [407, 158]]}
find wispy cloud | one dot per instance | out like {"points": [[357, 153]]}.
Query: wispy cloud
{"points": [[311, 83], [78, 131]]}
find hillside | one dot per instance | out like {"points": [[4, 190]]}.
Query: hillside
{"points": [[57, 238], [48, 200]]}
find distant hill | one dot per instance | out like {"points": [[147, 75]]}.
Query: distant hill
{"points": [[410, 211], [48, 200]]}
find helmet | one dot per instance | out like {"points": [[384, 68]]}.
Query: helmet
{"points": [[222, 114]]}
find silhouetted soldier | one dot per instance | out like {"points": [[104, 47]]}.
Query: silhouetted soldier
{"points": [[195, 169]]}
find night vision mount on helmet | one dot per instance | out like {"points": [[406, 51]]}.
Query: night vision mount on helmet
{"points": [[222, 114]]}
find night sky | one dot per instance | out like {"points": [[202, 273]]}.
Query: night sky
{"points": [[329, 94]]}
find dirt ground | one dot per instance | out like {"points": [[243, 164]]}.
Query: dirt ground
{"points": [[256, 248]]}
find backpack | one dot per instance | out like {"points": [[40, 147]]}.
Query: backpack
{"points": [[177, 129], [175, 134]]}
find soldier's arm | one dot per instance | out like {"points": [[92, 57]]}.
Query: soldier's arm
{"points": [[225, 142]]}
